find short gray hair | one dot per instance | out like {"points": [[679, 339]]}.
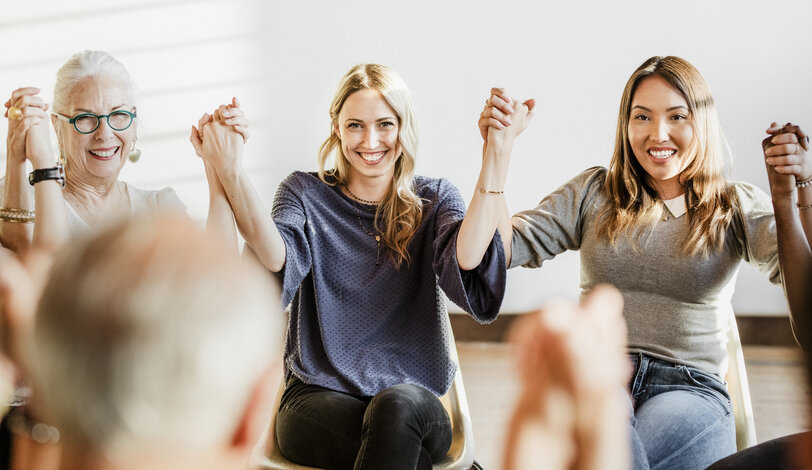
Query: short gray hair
{"points": [[151, 335], [88, 64]]}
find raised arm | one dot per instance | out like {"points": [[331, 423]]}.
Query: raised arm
{"points": [[16, 222], [29, 137], [502, 120], [222, 146], [789, 168], [220, 220]]}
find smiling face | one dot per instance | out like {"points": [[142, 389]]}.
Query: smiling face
{"points": [[102, 153], [368, 129], [660, 134]]}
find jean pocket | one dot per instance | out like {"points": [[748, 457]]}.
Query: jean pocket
{"points": [[708, 383]]}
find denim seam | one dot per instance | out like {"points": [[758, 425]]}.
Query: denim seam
{"points": [[689, 444], [701, 387]]}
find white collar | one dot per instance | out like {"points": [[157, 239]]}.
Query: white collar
{"points": [[676, 206]]}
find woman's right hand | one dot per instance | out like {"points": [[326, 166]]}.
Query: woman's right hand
{"points": [[504, 117], [219, 142], [28, 135]]}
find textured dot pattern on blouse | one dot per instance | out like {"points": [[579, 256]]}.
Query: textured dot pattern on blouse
{"points": [[358, 327]]}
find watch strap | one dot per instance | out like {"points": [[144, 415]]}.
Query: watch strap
{"points": [[44, 174]]}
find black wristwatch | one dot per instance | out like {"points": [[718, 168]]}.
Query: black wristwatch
{"points": [[44, 174]]}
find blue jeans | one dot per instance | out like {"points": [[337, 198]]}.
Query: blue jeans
{"points": [[402, 427], [682, 419]]}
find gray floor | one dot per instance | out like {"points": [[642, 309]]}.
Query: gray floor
{"points": [[776, 375]]}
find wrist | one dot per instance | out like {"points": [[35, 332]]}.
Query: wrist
{"points": [[229, 175], [783, 202], [43, 162]]}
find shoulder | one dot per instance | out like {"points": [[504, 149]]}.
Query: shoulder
{"points": [[591, 178], [434, 189], [165, 198], [439, 190], [302, 181], [750, 198], [584, 186]]}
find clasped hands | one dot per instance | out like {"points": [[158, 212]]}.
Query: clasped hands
{"points": [[504, 117], [219, 137], [785, 152]]}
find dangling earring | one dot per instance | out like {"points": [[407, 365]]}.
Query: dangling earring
{"points": [[135, 154], [61, 159]]}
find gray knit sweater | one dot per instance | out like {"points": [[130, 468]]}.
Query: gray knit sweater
{"points": [[676, 306]]}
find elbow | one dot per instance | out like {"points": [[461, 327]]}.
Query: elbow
{"points": [[468, 263]]}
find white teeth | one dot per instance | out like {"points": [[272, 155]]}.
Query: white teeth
{"points": [[662, 153], [372, 157], [104, 153]]}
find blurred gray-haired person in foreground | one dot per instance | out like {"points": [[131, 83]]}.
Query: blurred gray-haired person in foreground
{"points": [[153, 346]]}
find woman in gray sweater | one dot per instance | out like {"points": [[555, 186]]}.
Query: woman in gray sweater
{"points": [[663, 225]]}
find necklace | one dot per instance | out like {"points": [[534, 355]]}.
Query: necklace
{"points": [[359, 199], [377, 237]]}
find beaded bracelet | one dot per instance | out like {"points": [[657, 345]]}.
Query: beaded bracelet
{"points": [[21, 424], [804, 183], [803, 208], [20, 216]]}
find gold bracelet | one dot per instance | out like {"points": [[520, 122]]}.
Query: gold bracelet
{"points": [[803, 208], [803, 183], [488, 191], [19, 216]]}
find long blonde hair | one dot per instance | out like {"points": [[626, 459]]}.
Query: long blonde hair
{"points": [[633, 199], [399, 214]]}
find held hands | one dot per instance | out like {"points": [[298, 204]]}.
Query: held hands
{"points": [[219, 138], [785, 152], [504, 117], [28, 134]]}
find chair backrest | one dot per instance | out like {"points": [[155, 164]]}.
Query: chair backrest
{"points": [[460, 455], [739, 389]]}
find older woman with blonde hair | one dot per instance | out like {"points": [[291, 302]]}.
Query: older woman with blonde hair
{"points": [[364, 250], [664, 226]]}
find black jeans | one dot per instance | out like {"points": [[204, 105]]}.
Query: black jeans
{"points": [[402, 427]]}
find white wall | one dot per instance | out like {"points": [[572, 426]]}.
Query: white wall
{"points": [[285, 58]]}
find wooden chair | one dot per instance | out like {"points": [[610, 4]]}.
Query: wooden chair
{"points": [[739, 389], [460, 455]]}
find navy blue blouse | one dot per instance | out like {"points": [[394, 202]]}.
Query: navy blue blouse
{"points": [[358, 327]]}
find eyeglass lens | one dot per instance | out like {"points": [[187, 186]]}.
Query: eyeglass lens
{"points": [[117, 120]]}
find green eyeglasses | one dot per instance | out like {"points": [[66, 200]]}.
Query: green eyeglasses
{"points": [[86, 123]]}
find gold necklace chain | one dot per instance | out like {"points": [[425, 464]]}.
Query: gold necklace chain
{"points": [[377, 237], [359, 199]]}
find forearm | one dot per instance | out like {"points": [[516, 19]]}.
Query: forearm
{"points": [[487, 211], [805, 200], [16, 236], [795, 258], [51, 230], [220, 219], [253, 221]]}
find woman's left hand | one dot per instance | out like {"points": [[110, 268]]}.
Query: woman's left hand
{"points": [[786, 152], [218, 143], [233, 116]]}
